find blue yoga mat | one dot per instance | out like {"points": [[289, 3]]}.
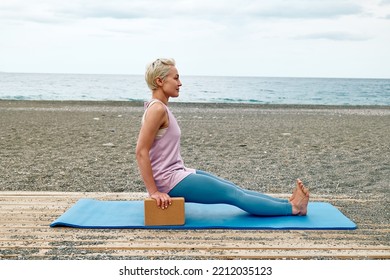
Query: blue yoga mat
{"points": [[90, 213]]}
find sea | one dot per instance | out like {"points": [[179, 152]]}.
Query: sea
{"points": [[197, 89]]}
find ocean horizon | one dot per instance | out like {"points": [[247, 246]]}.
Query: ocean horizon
{"points": [[199, 89]]}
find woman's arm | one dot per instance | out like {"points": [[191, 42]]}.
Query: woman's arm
{"points": [[155, 119]]}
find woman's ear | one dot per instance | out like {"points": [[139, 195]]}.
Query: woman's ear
{"points": [[159, 81]]}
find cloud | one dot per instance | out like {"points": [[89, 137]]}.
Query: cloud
{"points": [[52, 10], [106, 9], [304, 9], [216, 10], [333, 36], [20, 12]]}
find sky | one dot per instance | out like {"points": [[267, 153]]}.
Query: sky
{"points": [[278, 38]]}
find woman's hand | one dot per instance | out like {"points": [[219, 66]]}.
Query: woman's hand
{"points": [[163, 200]]}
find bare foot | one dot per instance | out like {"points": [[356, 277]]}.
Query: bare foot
{"points": [[295, 189], [300, 199]]}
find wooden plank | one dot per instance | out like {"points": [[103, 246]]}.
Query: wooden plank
{"points": [[25, 234]]}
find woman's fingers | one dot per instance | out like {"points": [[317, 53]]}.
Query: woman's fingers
{"points": [[163, 200]]}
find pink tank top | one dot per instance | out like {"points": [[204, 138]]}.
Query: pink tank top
{"points": [[167, 164]]}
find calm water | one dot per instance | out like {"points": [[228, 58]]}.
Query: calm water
{"points": [[261, 90]]}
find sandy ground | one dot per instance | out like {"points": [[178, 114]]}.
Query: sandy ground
{"points": [[89, 146]]}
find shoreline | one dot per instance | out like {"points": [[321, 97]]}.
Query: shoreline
{"points": [[175, 103]]}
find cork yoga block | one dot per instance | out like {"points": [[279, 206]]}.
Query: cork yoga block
{"points": [[172, 216]]}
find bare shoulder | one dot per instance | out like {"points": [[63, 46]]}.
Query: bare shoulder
{"points": [[156, 113], [157, 107]]}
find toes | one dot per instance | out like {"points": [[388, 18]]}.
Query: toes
{"points": [[300, 190], [299, 184], [302, 187]]}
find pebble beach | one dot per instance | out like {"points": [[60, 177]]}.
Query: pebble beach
{"points": [[82, 146]]}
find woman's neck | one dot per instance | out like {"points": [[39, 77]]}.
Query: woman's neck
{"points": [[160, 96]]}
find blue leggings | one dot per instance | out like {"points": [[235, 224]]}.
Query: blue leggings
{"points": [[204, 187]]}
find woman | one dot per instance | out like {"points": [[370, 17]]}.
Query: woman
{"points": [[163, 170]]}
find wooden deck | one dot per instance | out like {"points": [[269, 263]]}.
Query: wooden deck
{"points": [[25, 234]]}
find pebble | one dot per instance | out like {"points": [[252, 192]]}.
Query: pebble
{"points": [[109, 145]]}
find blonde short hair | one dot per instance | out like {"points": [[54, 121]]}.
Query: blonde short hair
{"points": [[158, 69]]}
